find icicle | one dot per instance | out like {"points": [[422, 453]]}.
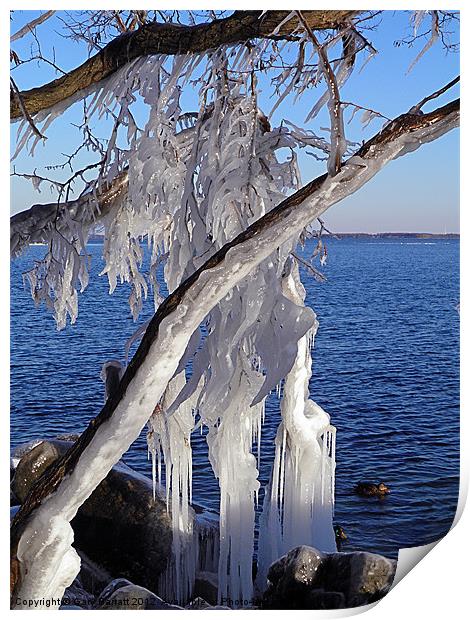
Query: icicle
{"points": [[282, 467], [300, 497], [190, 191], [260, 418], [323, 465]]}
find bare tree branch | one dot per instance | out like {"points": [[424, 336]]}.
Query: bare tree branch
{"points": [[316, 274], [157, 38], [29, 27], [19, 100], [438, 93]]}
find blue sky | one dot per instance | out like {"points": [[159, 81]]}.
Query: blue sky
{"points": [[419, 192]]}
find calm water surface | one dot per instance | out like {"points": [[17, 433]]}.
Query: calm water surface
{"points": [[386, 368]]}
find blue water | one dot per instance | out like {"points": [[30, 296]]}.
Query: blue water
{"points": [[386, 368]]}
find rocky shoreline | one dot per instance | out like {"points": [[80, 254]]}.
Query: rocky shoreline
{"points": [[123, 536]]}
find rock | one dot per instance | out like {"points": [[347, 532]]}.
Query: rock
{"points": [[206, 586], [123, 529], [92, 576], [292, 578], [303, 565], [33, 463], [307, 579], [20, 450], [361, 576], [198, 603], [319, 599], [134, 597], [120, 526], [111, 587], [76, 595]]}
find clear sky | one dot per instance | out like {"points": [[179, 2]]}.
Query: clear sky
{"points": [[419, 192]]}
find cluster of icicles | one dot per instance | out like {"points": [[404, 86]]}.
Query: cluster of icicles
{"points": [[191, 189], [207, 190]]}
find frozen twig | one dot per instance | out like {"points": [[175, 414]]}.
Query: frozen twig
{"points": [[338, 142], [433, 38], [30, 26], [316, 274], [371, 113], [416, 108], [24, 111]]}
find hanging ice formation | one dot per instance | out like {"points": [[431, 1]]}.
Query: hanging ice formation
{"points": [[194, 183], [232, 177], [298, 505]]}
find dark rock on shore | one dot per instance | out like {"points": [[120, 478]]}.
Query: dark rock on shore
{"points": [[111, 587], [120, 531], [93, 577], [206, 586], [294, 575], [131, 597], [33, 463], [120, 526], [306, 579], [362, 577], [124, 529], [320, 599]]}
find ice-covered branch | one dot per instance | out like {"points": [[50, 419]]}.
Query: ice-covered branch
{"points": [[433, 38], [170, 39], [19, 100], [43, 566], [29, 27], [35, 224], [416, 108], [338, 140]]}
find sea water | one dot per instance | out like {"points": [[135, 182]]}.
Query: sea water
{"points": [[385, 367]]}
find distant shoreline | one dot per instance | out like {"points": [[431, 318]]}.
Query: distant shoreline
{"points": [[349, 235], [394, 235]]}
